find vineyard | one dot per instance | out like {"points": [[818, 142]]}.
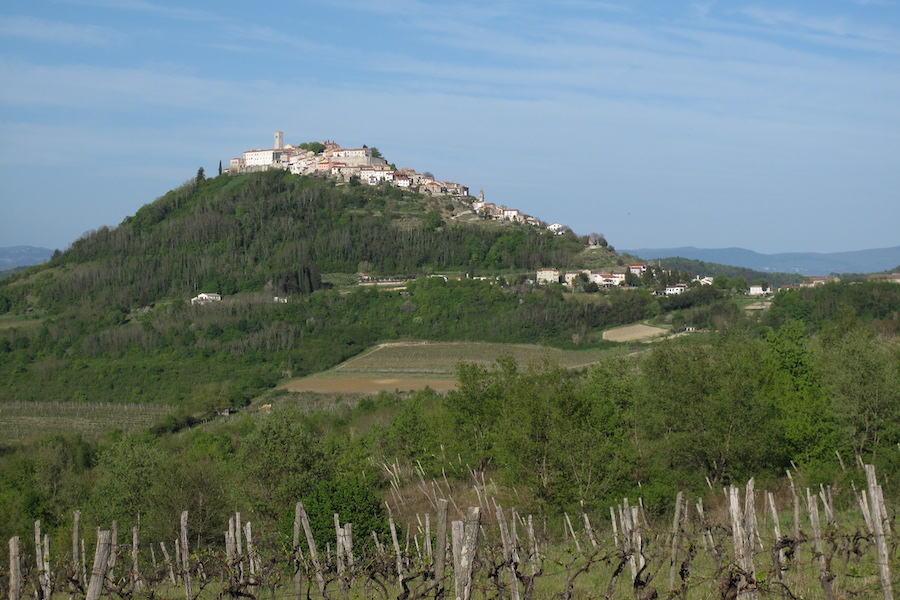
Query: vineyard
{"points": [[828, 543], [22, 420]]}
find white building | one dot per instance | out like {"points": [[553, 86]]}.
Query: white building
{"points": [[547, 276], [206, 298]]}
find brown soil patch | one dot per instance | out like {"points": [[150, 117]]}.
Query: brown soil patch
{"points": [[633, 333]]}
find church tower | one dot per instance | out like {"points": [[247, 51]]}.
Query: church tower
{"points": [[279, 140]]}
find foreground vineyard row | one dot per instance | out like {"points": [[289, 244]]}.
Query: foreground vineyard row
{"points": [[731, 553]]}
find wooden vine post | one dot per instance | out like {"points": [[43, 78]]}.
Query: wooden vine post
{"points": [[15, 569], [825, 574], [185, 556], [313, 555], [465, 541], [76, 566], [876, 498], [101, 564]]}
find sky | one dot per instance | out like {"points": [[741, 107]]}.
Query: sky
{"points": [[768, 125]]}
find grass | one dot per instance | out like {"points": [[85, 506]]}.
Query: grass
{"points": [[23, 420]]}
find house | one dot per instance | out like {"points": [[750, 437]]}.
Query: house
{"points": [[816, 281], [703, 280], [889, 278], [205, 298], [637, 269], [758, 290], [673, 290], [547, 276], [511, 214]]}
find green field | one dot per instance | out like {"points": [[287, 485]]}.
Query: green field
{"points": [[23, 420]]}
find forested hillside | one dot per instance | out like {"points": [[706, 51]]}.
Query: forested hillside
{"points": [[109, 319]]}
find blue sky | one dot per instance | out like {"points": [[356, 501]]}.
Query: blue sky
{"points": [[773, 126]]}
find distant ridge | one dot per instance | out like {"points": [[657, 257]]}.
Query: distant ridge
{"points": [[23, 256], [804, 263]]}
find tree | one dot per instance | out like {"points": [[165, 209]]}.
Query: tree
{"points": [[375, 152], [201, 176], [314, 147], [220, 167]]}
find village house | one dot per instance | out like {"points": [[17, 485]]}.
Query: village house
{"points": [[637, 269], [815, 281], [889, 278], [545, 276], [758, 290], [673, 290]]}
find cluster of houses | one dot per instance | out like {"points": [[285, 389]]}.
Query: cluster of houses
{"points": [[346, 164], [609, 279], [343, 164]]}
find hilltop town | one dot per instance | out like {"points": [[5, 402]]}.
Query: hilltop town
{"points": [[367, 166]]}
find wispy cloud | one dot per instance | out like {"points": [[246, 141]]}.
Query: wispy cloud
{"points": [[55, 32], [839, 31]]}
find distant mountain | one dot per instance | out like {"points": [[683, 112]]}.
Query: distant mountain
{"points": [[804, 263], [23, 256]]}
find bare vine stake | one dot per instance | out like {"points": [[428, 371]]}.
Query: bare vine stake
{"points": [[673, 561], [339, 554], [313, 555], [508, 546], [878, 512], [885, 521], [742, 540], [76, 567], [101, 564], [588, 530], [239, 544], [440, 550], [825, 575], [535, 552], [114, 545], [795, 531], [457, 533], [398, 558], [777, 555], [863, 500], [168, 560], [612, 517], [571, 530], [39, 559], [185, 556], [298, 557], [15, 569], [135, 573], [465, 564], [83, 563]]}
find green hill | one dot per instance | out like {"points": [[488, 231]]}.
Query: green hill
{"points": [[110, 319]]}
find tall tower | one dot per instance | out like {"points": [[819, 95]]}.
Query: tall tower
{"points": [[279, 140]]}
